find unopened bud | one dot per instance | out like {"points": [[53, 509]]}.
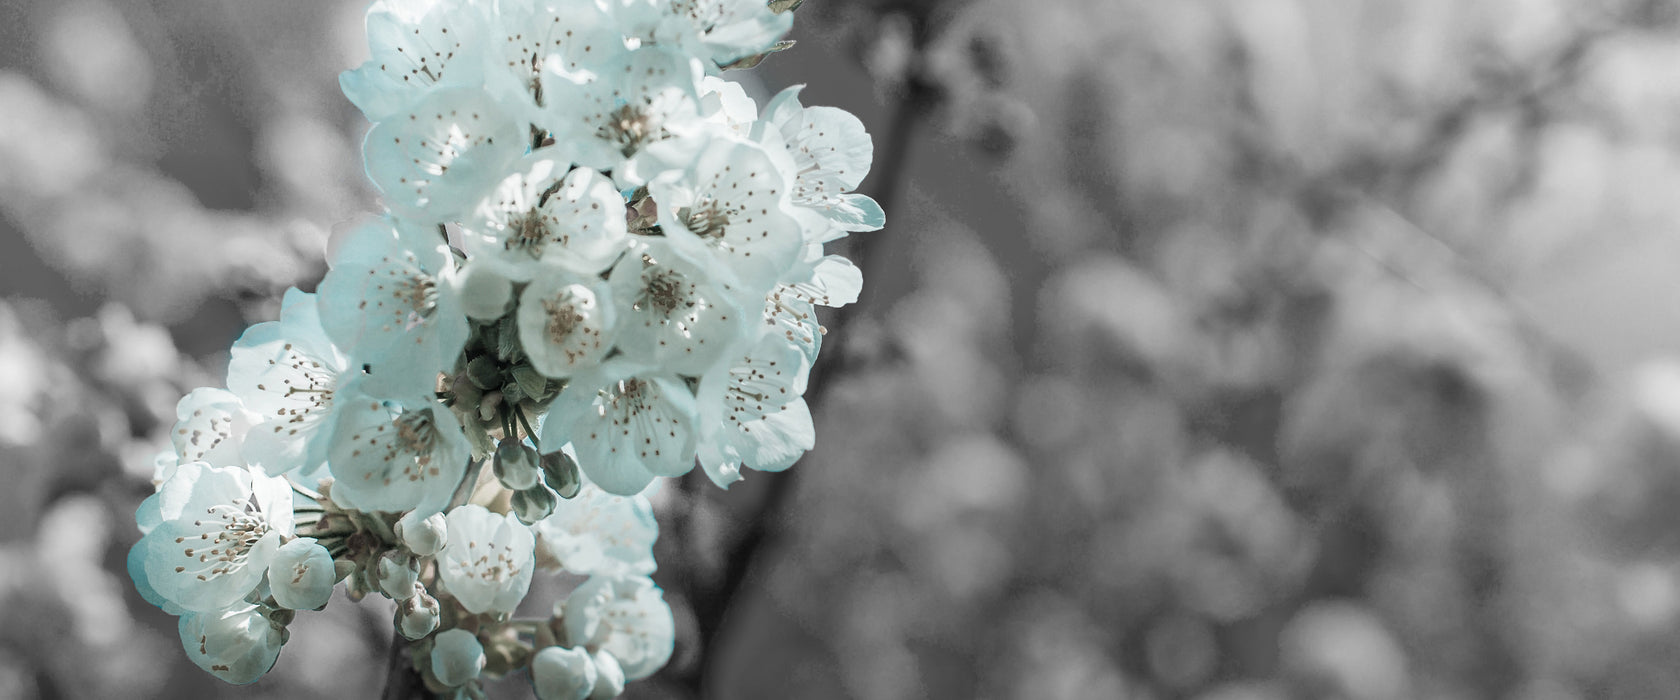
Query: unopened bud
{"points": [[457, 657], [423, 536], [534, 504], [417, 615], [484, 293], [356, 583], [516, 465], [561, 471], [558, 673], [397, 574]]}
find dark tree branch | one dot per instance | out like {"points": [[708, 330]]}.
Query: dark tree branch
{"points": [[761, 536], [402, 682]]}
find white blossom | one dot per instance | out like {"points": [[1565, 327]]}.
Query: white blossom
{"points": [[625, 616], [488, 561], [559, 673], [219, 528], [237, 644]]}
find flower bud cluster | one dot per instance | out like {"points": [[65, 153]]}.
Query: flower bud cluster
{"points": [[599, 267]]}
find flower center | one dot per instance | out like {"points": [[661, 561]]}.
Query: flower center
{"points": [[563, 318], [309, 385], [416, 435], [662, 290], [530, 233], [419, 293], [707, 219], [628, 127], [235, 529]]}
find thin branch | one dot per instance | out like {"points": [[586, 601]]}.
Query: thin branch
{"points": [[712, 611], [402, 682]]}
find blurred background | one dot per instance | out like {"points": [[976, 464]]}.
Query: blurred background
{"points": [[1215, 349]]}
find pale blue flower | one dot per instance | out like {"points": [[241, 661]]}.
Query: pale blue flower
{"points": [[565, 323], [287, 372], [672, 313], [543, 216], [218, 530], [457, 657], [629, 424], [301, 577], [532, 41], [417, 46], [488, 561], [755, 411], [395, 455], [435, 159], [387, 304], [831, 153], [719, 31], [726, 208], [558, 673], [211, 427], [789, 309], [237, 643], [597, 532], [625, 616], [632, 99]]}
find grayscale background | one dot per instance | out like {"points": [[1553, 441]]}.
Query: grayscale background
{"points": [[1214, 350]]}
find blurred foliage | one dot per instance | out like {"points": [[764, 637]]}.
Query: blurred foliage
{"points": [[1217, 350]]}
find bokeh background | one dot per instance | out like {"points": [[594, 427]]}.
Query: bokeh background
{"points": [[1215, 349]]}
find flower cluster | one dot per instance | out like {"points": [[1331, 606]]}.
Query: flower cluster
{"points": [[599, 267]]}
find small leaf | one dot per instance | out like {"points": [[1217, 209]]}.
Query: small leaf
{"points": [[780, 6], [484, 372], [754, 60], [530, 381], [507, 340]]}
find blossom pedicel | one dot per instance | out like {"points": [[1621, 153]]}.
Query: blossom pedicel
{"points": [[638, 251]]}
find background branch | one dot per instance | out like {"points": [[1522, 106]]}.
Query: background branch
{"points": [[760, 537]]}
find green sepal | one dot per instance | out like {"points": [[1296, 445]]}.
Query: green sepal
{"points": [[755, 59], [512, 393]]}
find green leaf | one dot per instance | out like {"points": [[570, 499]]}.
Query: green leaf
{"points": [[530, 380], [780, 6], [507, 340], [484, 372]]}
